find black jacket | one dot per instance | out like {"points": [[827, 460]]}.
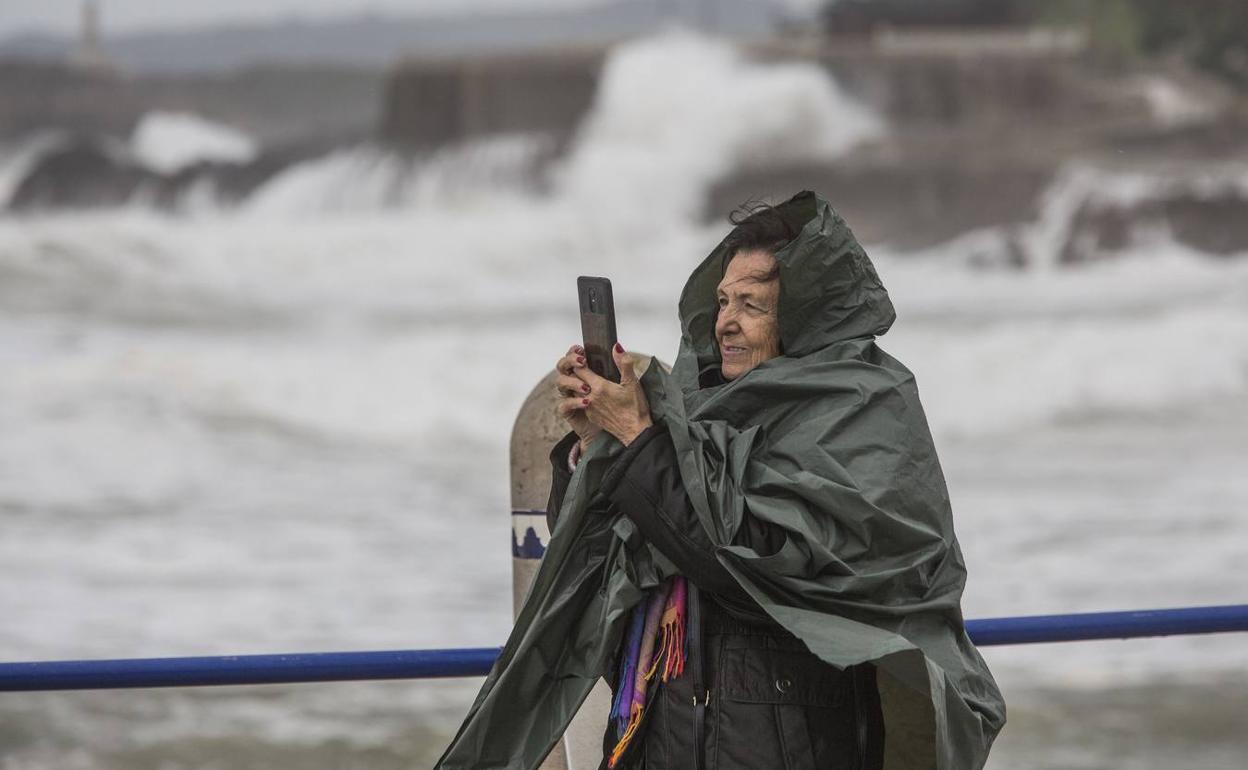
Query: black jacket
{"points": [[752, 695]]}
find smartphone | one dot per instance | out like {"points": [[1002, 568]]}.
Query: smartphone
{"points": [[598, 325]]}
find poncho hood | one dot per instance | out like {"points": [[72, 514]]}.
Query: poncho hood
{"points": [[827, 442], [829, 290]]}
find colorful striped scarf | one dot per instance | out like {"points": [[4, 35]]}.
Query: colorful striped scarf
{"points": [[656, 637]]}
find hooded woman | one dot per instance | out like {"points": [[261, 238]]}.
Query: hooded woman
{"points": [[756, 550]]}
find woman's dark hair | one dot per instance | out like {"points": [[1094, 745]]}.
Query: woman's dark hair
{"points": [[759, 227]]}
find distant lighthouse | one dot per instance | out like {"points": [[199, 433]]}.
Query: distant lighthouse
{"points": [[89, 54]]}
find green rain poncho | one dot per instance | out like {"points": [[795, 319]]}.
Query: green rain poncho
{"points": [[827, 441]]}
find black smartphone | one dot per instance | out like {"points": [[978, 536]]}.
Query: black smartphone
{"points": [[598, 325]]}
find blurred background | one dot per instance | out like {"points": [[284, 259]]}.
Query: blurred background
{"points": [[276, 276]]}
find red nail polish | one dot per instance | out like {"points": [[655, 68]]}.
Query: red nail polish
{"points": [[584, 402], [619, 348], [580, 360], [584, 388]]}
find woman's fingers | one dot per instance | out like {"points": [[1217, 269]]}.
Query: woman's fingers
{"points": [[571, 386], [582, 372], [624, 362], [573, 358], [568, 406]]}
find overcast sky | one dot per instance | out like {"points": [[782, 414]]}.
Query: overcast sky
{"points": [[132, 15]]}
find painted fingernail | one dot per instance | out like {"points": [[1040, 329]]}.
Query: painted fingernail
{"points": [[584, 388], [584, 402], [580, 360], [619, 348]]}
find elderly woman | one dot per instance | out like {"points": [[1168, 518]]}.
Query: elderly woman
{"points": [[756, 550]]}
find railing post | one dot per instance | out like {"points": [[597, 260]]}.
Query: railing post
{"points": [[536, 430]]}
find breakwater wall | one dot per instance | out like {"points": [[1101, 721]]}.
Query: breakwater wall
{"points": [[978, 123], [973, 79], [278, 105], [435, 101]]}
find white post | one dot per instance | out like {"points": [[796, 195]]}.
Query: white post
{"points": [[537, 429]]}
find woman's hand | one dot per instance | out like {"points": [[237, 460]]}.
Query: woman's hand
{"points": [[572, 393], [621, 410]]}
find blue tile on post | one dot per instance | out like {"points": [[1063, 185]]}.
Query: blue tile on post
{"points": [[528, 534]]}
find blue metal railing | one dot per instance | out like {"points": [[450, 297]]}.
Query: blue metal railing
{"points": [[1086, 626], [431, 664], [244, 669]]}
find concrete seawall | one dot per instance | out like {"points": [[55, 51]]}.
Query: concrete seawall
{"points": [[276, 105], [431, 102], [978, 124], [436, 100]]}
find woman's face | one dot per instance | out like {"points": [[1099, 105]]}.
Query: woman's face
{"points": [[747, 330]]}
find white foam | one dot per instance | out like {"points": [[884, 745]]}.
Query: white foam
{"points": [[998, 351], [672, 114], [1171, 105], [677, 112], [362, 179], [19, 158], [169, 141]]}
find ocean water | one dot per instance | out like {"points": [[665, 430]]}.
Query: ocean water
{"points": [[282, 424]]}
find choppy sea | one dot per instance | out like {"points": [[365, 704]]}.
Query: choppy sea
{"points": [[282, 425]]}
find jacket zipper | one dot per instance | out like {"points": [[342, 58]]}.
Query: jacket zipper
{"points": [[694, 641]]}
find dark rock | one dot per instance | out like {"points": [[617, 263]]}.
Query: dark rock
{"points": [[95, 171], [85, 173], [1215, 224]]}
